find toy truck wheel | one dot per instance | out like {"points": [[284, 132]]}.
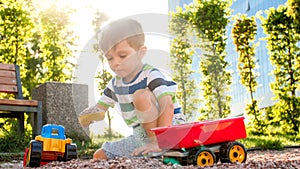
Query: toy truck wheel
{"points": [[70, 152], [34, 155], [232, 152], [205, 157]]}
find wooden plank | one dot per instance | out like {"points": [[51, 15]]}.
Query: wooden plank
{"points": [[18, 102], [7, 73], [19, 95], [8, 81], [4, 66], [10, 108], [8, 89]]}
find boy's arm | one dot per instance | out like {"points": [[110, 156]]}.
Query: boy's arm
{"points": [[166, 112], [164, 118], [90, 114]]}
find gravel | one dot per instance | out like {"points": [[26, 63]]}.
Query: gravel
{"points": [[288, 158]]}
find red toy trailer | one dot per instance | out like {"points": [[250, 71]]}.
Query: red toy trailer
{"points": [[204, 143]]}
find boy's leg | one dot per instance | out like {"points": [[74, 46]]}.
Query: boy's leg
{"points": [[123, 147], [100, 155]]}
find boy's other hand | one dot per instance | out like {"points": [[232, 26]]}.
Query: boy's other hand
{"points": [[150, 147]]}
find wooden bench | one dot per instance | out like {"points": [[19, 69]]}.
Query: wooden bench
{"points": [[10, 82]]}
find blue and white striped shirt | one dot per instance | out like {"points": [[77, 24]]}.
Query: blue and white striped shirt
{"points": [[120, 93]]}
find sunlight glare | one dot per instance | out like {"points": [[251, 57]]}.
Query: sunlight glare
{"points": [[82, 20]]}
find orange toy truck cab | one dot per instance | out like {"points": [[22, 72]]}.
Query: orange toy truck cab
{"points": [[51, 145]]}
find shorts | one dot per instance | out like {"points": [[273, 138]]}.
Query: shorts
{"points": [[125, 146]]}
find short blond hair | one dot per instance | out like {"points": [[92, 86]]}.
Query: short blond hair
{"points": [[119, 30]]}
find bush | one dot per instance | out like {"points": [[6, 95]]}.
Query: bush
{"points": [[11, 140], [269, 144], [277, 142]]}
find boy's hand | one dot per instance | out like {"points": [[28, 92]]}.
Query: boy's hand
{"points": [[87, 116], [86, 119], [150, 147]]}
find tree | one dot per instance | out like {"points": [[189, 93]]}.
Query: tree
{"points": [[243, 34], [181, 53], [210, 18], [283, 45], [40, 43], [103, 75], [294, 11], [50, 48], [15, 31]]}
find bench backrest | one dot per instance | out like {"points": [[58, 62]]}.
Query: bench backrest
{"points": [[10, 81]]}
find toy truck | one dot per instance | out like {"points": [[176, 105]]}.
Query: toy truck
{"points": [[203, 143], [51, 145]]}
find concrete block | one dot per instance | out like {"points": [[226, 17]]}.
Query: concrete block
{"points": [[62, 102]]}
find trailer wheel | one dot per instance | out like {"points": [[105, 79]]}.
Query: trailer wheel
{"points": [[70, 152], [217, 157], [192, 156], [205, 157], [34, 154], [232, 152]]}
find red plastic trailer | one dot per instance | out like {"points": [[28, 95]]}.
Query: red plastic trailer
{"points": [[204, 143]]}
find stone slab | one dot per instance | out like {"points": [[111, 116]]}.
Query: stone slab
{"points": [[62, 102]]}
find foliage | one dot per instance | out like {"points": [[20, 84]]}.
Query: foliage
{"points": [[283, 45], [11, 140], [103, 75], [15, 29], [243, 35], [271, 141], [258, 120], [263, 142], [294, 11], [40, 42], [86, 149], [244, 31], [49, 50], [201, 27], [269, 144], [181, 53], [210, 18]]}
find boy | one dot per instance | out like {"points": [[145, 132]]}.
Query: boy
{"points": [[145, 97]]}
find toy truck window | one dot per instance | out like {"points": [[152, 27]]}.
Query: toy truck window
{"points": [[55, 132]]}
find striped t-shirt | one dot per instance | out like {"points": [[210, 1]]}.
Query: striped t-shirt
{"points": [[121, 93]]}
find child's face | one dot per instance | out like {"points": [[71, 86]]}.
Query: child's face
{"points": [[124, 60]]}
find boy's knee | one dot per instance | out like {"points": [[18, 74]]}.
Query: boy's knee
{"points": [[143, 99], [100, 155]]}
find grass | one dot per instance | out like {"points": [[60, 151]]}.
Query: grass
{"points": [[275, 142], [87, 149]]}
